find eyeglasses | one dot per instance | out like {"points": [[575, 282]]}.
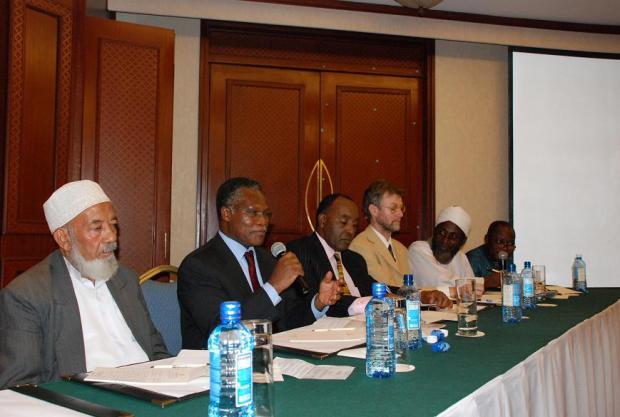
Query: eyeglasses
{"points": [[254, 214], [394, 209], [505, 243]]}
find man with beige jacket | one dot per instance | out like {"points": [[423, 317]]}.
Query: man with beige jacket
{"points": [[387, 258]]}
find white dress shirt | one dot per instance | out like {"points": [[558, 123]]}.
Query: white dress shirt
{"points": [[332, 260], [108, 341], [430, 273]]}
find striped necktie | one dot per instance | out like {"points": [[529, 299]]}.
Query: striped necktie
{"points": [[340, 268]]}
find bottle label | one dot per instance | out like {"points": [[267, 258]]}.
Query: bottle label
{"points": [[516, 295], [243, 392], [528, 287], [581, 274], [413, 315], [507, 296]]}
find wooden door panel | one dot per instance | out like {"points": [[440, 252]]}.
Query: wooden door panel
{"points": [[264, 125], [127, 132], [371, 129], [37, 146]]}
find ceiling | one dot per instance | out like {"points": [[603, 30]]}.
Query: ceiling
{"points": [[594, 12]]}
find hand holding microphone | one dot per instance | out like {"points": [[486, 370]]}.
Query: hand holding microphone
{"points": [[289, 266]]}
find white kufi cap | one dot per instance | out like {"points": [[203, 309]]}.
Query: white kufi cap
{"points": [[456, 215], [70, 200]]}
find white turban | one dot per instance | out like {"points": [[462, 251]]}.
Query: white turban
{"points": [[456, 215], [70, 200]]}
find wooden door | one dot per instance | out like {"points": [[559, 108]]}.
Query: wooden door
{"points": [[37, 150], [127, 132], [264, 124], [371, 128]]}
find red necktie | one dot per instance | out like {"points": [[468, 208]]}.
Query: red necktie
{"points": [[249, 256]]}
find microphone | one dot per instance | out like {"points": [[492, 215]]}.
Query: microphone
{"points": [[502, 255], [278, 249]]}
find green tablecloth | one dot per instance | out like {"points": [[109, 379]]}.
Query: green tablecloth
{"points": [[440, 379]]}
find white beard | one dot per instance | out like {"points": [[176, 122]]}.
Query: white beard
{"points": [[97, 269]]}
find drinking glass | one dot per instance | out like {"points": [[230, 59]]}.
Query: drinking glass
{"points": [[466, 307], [262, 367], [539, 282]]}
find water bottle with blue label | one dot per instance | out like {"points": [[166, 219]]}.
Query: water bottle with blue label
{"points": [[579, 275], [412, 303], [380, 352], [529, 291], [230, 353], [512, 293]]}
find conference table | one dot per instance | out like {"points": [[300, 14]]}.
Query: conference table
{"points": [[562, 361]]}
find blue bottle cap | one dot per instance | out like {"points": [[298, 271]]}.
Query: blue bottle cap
{"points": [[378, 289], [512, 268], [230, 311], [408, 279], [527, 264]]}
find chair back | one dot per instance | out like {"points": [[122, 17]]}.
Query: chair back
{"points": [[163, 305]]}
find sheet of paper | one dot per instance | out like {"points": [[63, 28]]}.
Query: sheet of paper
{"points": [[176, 390], [326, 337], [15, 404], [334, 335], [327, 323], [143, 375], [491, 297], [304, 370], [191, 358], [562, 291], [429, 316]]}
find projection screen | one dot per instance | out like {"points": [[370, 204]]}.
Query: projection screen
{"points": [[565, 168]]}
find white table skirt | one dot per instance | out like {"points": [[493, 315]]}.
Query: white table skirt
{"points": [[577, 374]]}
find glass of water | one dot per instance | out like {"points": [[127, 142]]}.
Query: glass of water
{"points": [[466, 307], [540, 286], [262, 367]]}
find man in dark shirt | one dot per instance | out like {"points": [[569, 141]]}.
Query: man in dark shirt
{"points": [[485, 260]]}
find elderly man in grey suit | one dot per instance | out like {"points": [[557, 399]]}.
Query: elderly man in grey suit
{"points": [[77, 309]]}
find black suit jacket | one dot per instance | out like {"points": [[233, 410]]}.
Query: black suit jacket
{"points": [[315, 263], [211, 274]]}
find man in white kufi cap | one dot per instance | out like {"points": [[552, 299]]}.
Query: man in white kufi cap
{"points": [[439, 261], [78, 308]]}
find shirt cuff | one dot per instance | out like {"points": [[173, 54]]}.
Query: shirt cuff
{"points": [[317, 313], [272, 293]]}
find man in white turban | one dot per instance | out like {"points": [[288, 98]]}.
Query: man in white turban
{"points": [[439, 261], [78, 308]]}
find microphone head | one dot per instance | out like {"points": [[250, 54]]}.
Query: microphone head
{"points": [[502, 255], [278, 249]]}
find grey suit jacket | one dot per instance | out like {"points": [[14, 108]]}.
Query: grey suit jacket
{"points": [[40, 330]]}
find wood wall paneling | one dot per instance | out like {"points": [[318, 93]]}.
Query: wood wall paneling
{"points": [[372, 128], [371, 98], [36, 154], [127, 131], [264, 125]]}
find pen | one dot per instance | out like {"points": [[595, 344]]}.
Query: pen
{"points": [[334, 329], [170, 366]]}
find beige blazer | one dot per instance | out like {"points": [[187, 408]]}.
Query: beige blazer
{"points": [[381, 265]]}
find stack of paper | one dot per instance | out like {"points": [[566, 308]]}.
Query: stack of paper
{"points": [[324, 337], [305, 370]]}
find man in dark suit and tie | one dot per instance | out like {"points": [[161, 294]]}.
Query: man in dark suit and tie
{"points": [[233, 267], [327, 250]]}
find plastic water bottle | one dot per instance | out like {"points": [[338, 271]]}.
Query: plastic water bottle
{"points": [[380, 352], [579, 275], [412, 297], [529, 293], [230, 352], [511, 296]]}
